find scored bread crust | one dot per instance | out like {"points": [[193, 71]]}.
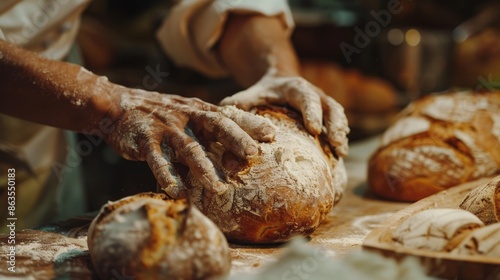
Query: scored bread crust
{"points": [[439, 229], [148, 236], [436, 143], [286, 190], [484, 202]]}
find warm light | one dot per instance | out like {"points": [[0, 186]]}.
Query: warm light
{"points": [[395, 36], [412, 37]]}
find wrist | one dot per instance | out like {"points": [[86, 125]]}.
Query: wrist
{"points": [[277, 69], [106, 101]]}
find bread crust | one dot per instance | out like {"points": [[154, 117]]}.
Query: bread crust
{"points": [[484, 202], [436, 143], [438, 229], [287, 190], [148, 236]]}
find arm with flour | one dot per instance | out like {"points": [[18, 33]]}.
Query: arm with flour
{"points": [[136, 123]]}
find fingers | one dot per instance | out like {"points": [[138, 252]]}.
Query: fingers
{"points": [[336, 124], [253, 96], [304, 97], [161, 165], [297, 92], [191, 153], [259, 128], [226, 131]]}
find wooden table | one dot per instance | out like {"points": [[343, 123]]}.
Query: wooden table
{"points": [[60, 252]]}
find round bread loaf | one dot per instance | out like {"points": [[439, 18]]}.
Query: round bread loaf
{"points": [[484, 202], [436, 143], [288, 189], [147, 236]]}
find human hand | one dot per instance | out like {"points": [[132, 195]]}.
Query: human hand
{"points": [[160, 128], [317, 108]]}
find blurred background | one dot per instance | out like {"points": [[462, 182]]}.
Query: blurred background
{"points": [[373, 57]]}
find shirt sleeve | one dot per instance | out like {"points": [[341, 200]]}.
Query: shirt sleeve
{"points": [[193, 27]]}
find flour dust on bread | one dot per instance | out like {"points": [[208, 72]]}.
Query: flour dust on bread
{"points": [[456, 231], [439, 229], [148, 236], [484, 201], [288, 189], [436, 143]]}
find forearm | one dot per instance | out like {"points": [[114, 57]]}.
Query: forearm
{"points": [[52, 92], [251, 44]]}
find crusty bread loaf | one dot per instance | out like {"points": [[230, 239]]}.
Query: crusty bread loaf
{"points": [[147, 236], [436, 143], [287, 190], [484, 202], [356, 92], [440, 229]]}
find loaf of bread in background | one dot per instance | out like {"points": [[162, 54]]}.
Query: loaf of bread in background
{"points": [[436, 143], [287, 190], [147, 236], [484, 202], [356, 92]]}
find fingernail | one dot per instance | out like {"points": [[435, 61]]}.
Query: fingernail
{"points": [[316, 127], [268, 134], [251, 150], [342, 150], [313, 127]]}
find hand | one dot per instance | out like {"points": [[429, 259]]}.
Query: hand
{"points": [[154, 127], [316, 107]]}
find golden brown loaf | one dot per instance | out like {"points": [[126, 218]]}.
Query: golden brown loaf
{"points": [[436, 143], [353, 90], [287, 190], [484, 202], [147, 236]]}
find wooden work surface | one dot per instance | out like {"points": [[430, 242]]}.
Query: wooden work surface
{"points": [[51, 254]]}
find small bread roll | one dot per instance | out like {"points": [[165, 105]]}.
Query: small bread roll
{"points": [[484, 202], [369, 94], [481, 241], [355, 91], [436, 143], [435, 229], [288, 189], [147, 236], [330, 78]]}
